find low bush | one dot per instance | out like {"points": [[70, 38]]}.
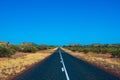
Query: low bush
{"points": [[116, 53], [7, 49], [6, 52], [113, 49], [15, 47], [42, 47], [30, 49]]}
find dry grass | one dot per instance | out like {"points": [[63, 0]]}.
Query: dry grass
{"points": [[20, 61], [103, 61]]}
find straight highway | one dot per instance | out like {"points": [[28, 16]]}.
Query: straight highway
{"points": [[62, 66]]}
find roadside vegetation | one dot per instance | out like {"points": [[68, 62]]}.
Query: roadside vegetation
{"points": [[105, 56], [17, 58], [113, 49], [7, 49]]}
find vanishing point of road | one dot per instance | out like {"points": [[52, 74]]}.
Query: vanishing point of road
{"points": [[62, 66]]}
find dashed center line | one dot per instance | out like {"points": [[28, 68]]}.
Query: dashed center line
{"points": [[63, 68]]}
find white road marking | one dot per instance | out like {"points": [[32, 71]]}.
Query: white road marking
{"points": [[62, 69], [62, 61]]}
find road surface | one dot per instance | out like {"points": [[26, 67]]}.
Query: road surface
{"points": [[62, 66]]}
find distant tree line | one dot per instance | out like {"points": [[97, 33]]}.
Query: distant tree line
{"points": [[113, 49], [7, 49]]}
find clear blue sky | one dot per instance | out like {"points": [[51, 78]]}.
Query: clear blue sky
{"points": [[60, 22]]}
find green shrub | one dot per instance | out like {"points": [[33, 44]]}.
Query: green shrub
{"points": [[30, 49], [42, 47], [14, 47], [6, 52], [116, 53], [85, 50], [50, 47], [113, 49]]}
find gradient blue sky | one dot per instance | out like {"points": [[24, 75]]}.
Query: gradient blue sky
{"points": [[60, 22]]}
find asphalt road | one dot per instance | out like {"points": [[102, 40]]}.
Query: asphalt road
{"points": [[62, 66]]}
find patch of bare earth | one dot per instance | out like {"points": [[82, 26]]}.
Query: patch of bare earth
{"points": [[103, 61]]}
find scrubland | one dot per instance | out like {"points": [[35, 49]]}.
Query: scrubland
{"points": [[15, 59], [104, 61], [12, 66]]}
